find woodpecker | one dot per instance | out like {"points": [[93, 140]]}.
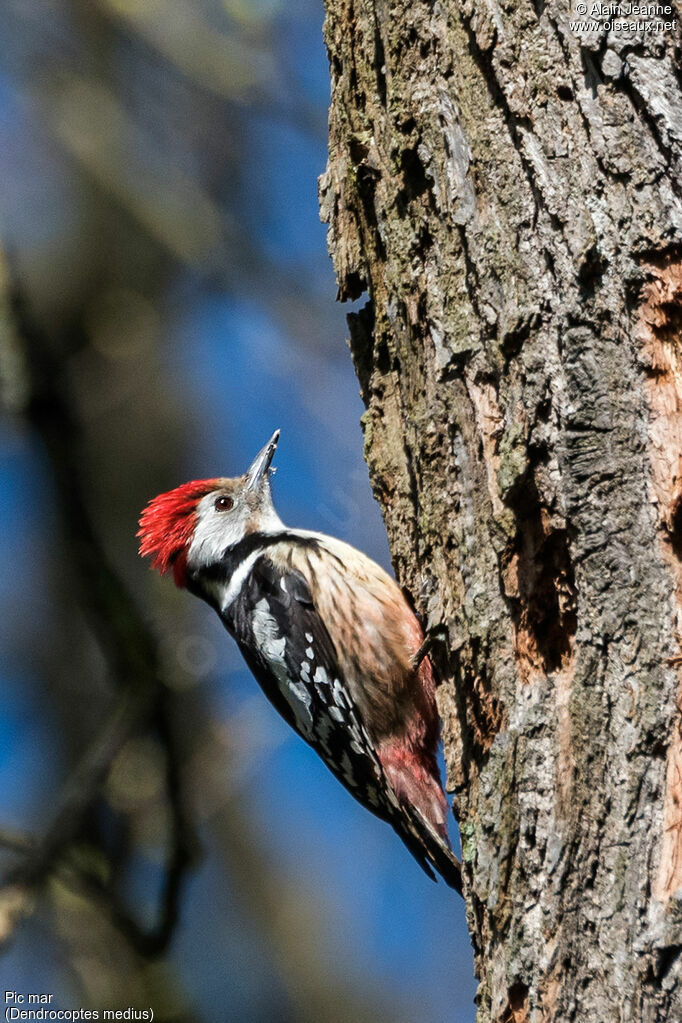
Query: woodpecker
{"points": [[328, 635]]}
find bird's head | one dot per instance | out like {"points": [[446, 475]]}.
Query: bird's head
{"points": [[193, 525]]}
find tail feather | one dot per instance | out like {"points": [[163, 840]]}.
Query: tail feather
{"points": [[429, 848], [420, 818]]}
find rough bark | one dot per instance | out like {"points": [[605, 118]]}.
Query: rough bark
{"points": [[508, 194]]}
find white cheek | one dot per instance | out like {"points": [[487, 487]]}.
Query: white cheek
{"points": [[214, 532]]}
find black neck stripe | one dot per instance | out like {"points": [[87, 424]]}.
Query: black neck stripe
{"points": [[232, 557]]}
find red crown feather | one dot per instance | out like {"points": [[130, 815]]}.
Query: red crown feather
{"points": [[167, 525]]}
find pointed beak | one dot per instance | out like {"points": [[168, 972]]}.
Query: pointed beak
{"points": [[258, 470]]}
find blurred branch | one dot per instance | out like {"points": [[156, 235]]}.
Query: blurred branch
{"points": [[16, 902], [173, 207], [16, 841], [225, 64], [142, 699], [231, 65]]}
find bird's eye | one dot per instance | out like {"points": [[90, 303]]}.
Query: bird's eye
{"points": [[223, 503]]}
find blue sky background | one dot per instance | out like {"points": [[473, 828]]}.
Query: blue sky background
{"points": [[238, 361]]}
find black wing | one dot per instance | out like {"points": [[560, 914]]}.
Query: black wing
{"points": [[291, 654], [289, 650]]}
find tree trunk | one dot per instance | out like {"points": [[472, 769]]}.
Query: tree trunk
{"points": [[507, 191]]}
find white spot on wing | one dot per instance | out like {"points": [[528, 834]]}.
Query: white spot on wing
{"points": [[266, 633], [272, 647], [340, 697], [301, 692]]}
